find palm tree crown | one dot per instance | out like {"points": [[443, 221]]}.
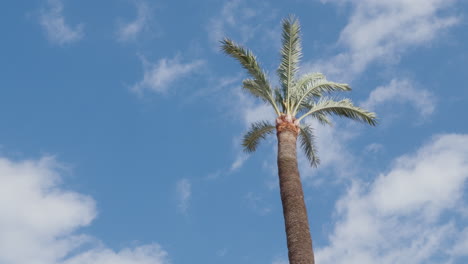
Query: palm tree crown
{"points": [[297, 97]]}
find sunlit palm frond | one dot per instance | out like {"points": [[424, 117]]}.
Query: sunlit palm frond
{"points": [[291, 53], [303, 83], [255, 89], [307, 140], [257, 132], [343, 108], [279, 99], [323, 119], [258, 85], [319, 116], [316, 87], [247, 59]]}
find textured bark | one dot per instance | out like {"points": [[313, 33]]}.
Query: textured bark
{"points": [[292, 196]]}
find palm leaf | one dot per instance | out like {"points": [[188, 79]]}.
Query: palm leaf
{"points": [[291, 53], [279, 99], [307, 141], [257, 132], [323, 119], [320, 116], [258, 85], [343, 108], [302, 83], [313, 86], [255, 89]]}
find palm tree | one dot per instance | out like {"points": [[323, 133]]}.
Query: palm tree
{"points": [[296, 99]]}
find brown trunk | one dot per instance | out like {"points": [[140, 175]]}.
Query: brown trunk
{"points": [[292, 197]]}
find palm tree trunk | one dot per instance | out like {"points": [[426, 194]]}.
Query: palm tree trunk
{"points": [[292, 197]]}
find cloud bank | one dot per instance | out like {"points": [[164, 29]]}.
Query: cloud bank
{"points": [[409, 214], [41, 220], [380, 31]]}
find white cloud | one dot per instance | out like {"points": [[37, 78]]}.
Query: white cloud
{"points": [[280, 261], [242, 21], [382, 30], [130, 31], [332, 150], [41, 220], [407, 215], [159, 76], [374, 148], [149, 254], [250, 109], [222, 252], [239, 161], [247, 110], [402, 91], [460, 248], [53, 22], [184, 192], [259, 112], [257, 203]]}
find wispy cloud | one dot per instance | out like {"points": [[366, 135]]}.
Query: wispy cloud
{"points": [[53, 23], [222, 252], [336, 158], [239, 161], [374, 148], [242, 20], [184, 193], [131, 30], [382, 30], [257, 203], [159, 76], [280, 261], [41, 220], [400, 92], [403, 216], [248, 110]]}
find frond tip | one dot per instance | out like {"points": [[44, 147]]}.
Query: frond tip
{"points": [[258, 85], [257, 132], [291, 53], [307, 141], [313, 86], [343, 108]]}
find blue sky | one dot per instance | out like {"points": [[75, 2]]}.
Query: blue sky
{"points": [[121, 125]]}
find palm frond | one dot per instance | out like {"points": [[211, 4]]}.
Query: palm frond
{"points": [[257, 132], [255, 89], [259, 85], [307, 141], [291, 53], [304, 81], [279, 99], [343, 108], [323, 119], [315, 87]]}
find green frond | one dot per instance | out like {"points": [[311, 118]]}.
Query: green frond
{"points": [[323, 119], [255, 89], [247, 59], [279, 99], [257, 132], [320, 116], [258, 85], [305, 80], [307, 140], [291, 53], [315, 86], [343, 108]]}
